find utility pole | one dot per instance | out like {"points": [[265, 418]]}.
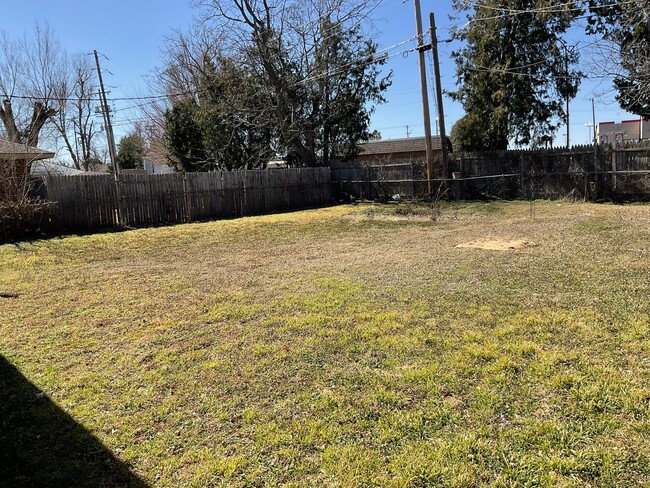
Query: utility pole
{"points": [[596, 165], [593, 118], [566, 71], [110, 138], [441, 111], [425, 97], [107, 121], [408, 132]]}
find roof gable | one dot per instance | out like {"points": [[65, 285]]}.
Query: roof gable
{"points": [[396, 146], [15, 150]]}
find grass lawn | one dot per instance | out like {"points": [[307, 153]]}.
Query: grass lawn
{"points": [[347, 346]]}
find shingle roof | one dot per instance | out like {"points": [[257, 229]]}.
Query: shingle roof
{"points": [[394, 146], [40, 168], [14, 150]]}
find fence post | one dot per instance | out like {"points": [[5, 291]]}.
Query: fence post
{"points": [[614, 155], [122, 214], [187, 199], [413, 175], [585, 172], [522, 169], [597, 175]]}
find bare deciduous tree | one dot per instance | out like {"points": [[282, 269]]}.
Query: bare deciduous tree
{"points": [[622, 54], [75, 121], [179, 77], [308, 55], [31, 71]]}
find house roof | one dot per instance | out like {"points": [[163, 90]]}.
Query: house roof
{"points": [[15, 150], [394, 146], [41, 168]]}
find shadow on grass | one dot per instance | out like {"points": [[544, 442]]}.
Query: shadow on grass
{"points": [[41, 445]]}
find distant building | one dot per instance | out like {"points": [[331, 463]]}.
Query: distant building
{"points": [[410, 148], [156, 168], [45, 168], [276, 164], [627, 130]]}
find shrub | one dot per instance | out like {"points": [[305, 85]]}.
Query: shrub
{"points": [[22, 217]]}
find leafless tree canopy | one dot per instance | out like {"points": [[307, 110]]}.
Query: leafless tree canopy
{"points": [[310, 62], [283, 43], [47, 93], [75, 120], [31, 72]]}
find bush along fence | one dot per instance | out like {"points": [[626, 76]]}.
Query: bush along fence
{"points": [[99, 201], [581, 172]]}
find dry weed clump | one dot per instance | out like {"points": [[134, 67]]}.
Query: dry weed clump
{"points": [[23, 217]]}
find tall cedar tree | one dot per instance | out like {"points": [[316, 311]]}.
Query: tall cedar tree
{"points": [[183, 137], [626, 27], [234, 136], [131, 151], [219, 129], [512, 73], [339, 109]]}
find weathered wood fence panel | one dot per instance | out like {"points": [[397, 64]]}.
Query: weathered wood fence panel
{"points": [[97, 201], [579, 172]]}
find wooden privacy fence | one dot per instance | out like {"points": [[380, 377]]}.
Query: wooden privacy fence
{"points": [[580, 172], [97, 201]]}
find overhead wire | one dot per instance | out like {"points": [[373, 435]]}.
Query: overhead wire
{"points": [[376, 58]]}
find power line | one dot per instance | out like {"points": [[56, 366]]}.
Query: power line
{"points": [[545, 10], [374, 59]]}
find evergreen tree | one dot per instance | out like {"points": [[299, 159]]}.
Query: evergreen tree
{"points": [[220, 128], [626, 30], [228, 116], [512, 71], [130, 151], [340, 97], [183, 137]]}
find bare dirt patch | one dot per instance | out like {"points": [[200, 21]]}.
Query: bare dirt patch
{"points": [[498, 244]]}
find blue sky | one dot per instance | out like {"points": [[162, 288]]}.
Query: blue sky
{"points": [[131, 35]]}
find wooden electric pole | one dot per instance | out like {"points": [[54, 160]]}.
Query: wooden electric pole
{"points": [[441, 111], [425, 97], [566, 66], [110, 138], [593, 118]]}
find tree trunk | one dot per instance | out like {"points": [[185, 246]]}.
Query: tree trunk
{"points": [[29, 136], [40, 116], [9, 122]]}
